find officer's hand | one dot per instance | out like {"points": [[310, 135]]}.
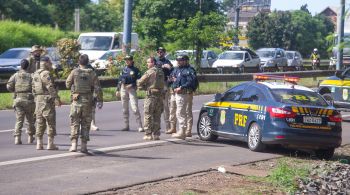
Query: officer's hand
{"points": [[99, 105], [129, 86], [117, 93], [177, 90]]}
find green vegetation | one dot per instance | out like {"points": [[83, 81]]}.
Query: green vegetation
{"points": [[19, 34]]}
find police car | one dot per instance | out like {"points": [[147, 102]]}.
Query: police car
{"points": [[336, 89], [262, 112]]}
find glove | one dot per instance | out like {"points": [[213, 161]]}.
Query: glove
{"points": [[99, 105]]}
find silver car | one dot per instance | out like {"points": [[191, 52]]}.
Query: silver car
{"points": [[272, 57], [294, 59]]}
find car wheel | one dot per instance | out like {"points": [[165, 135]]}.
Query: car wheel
{"points": [[254, 138], [204, 128], [328, 97], [325, 154]]}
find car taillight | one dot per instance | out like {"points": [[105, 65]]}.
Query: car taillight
{"points": [[281, 113], [335, 118]]}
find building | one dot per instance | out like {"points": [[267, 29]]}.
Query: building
{"points": [[332, 14], [248, 9]]}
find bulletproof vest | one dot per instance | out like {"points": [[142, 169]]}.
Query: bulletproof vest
{"points": [[82, 81], [158, 79], [23, 82], [38, 84]]}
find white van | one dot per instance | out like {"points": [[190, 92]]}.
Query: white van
{"points": [[95, 44]]}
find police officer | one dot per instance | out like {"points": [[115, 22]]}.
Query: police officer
{"points": [[46, 96], [34, 58], [127, 87], [182, 86], [167, 67], [83, 83], [153, 83], [21, 84]]}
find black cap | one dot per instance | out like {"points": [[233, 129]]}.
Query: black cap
{"points": [[185, 57], [161, 49], [180, 57], [128, 57]]}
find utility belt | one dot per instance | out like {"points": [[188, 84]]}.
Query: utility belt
{"points": [[185, 91], [154, 91], [128, 86], [78, 96], [24, 95]]}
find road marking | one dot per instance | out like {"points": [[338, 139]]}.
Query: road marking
{"points": [[93, 151], [3, 131]]}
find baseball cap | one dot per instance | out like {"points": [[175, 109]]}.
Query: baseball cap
{"points": [[128, 57]]}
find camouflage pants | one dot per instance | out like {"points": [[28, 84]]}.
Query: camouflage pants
{"points": [[24, 109], [172, 111], [189, 113], [181, 108], [80, 118], [166, 110], [126, 96], [45, 116], [153, 106]]}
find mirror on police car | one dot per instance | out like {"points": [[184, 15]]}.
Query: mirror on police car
{"points": [[218, 97], [339, 74]]}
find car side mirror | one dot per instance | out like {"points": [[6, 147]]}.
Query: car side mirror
{"points": [[218, 97], [339, 74], [210, 58], [278, 56], [247, 59], [296, 57]]}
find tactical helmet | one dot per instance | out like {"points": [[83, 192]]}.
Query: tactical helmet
{"points": [[315, 50], [128, 57]]}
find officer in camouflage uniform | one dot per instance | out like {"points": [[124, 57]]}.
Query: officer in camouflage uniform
{"points": [[167, 67], [153, 83], [34, 58], [46, 96], [127, 86], [21, 84], [83, 83], [172, 102]]}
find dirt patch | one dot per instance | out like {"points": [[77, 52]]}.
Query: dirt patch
{"points": [[240, 179]]}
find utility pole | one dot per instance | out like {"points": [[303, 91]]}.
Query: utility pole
{"points": [[77, 19], [340, 35], [235, 39], [198, 42], [127, 26]]}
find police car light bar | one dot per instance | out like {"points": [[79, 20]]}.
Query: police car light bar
{"points": [[264, 77]]}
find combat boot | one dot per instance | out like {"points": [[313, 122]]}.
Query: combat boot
{"points": [[93, 126], [147, 137], [39, 143], [73, 148], [141, 129], [126, 128], [30, 139], [83, 147], [188, 134], [18, 140], [170, 131], [179, 136], [50, 144], [156, 137]]}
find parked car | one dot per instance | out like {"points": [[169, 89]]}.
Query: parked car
{"points": [[272, 57], [273, 112], [102, 62], [238, 60], [208, 57], [10, 60], [294, 59]]}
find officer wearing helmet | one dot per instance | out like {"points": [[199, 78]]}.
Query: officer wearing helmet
{"points": [[83, 83], [21, 84], [167, 67], [183, 85], [34, 58], [46, 96], [315, 59]]}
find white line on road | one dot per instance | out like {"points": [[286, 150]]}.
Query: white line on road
{"points": [[94, 151], [3, 131]]}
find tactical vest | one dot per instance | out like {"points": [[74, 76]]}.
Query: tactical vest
{"points": [[82, 81], [23, 82], [158, 81], [38, 84]]}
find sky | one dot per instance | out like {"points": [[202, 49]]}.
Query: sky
{"points": [[314, 6]]}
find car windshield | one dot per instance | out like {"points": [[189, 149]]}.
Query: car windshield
{"points": [[266, 54], [290, 55], [53, 53], [298, 97], [95, 42], [108, 54], [15, 54], [231, 56]]}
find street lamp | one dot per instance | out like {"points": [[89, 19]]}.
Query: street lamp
{"points": [[239, 4]]}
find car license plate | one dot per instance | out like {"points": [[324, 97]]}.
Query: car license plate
{"points": [[312, 120]]}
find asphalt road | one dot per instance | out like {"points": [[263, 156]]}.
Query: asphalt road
{"points": [[116, 158]]}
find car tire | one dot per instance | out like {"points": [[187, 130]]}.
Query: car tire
{"points": [[254, 138], [324, 154], [328, 97], [204, 129]]}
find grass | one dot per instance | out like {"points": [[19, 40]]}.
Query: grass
{"points": [[6, 100]]}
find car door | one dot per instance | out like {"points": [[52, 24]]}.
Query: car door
{"points": [[212, 57], [255, 109], [227, 109], [248, 60]]}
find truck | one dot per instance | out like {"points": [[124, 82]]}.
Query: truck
{"points": [[95, 44]]}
